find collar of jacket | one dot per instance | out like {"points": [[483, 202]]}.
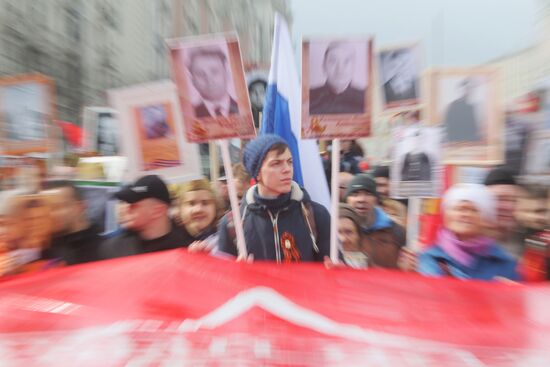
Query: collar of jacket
{"points": [[381, 221], [296, 194]]}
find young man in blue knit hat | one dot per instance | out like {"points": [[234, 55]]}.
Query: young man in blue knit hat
{"points": [[281, 223]]}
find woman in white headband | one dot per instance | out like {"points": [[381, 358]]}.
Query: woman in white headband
{"points": [[461, 249]]}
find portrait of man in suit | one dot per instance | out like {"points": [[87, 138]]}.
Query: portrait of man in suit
{"points": [[400, 75], [461, 121], [417, 165], [210, 76], [338, 95]]}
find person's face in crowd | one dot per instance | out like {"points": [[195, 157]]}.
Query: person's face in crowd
{"points": [[144, 213], [345, 145], [348, 234], [122, 213], [464, 220], [222, 189], [275, 177], [241, 187], [209, 77], [345, 178], [66, 211], [257, 95], [339, 65], [533, 213], [506, 196], [382, 187], [362, 201], [198, 211]]}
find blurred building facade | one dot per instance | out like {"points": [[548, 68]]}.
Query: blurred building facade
{"points": [[90, 46], [252, 19], [528, 69]]}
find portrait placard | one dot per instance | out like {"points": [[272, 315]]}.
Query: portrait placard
{"points": [[464, 103], [399, 71], [153, 140], [101, 131], [27, 108], [336, 88], [416, 170], [212, 89]]}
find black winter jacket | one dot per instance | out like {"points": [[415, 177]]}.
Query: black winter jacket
{"points": [[268, 222]]}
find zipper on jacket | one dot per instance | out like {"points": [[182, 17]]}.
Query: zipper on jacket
{"points": [[274, 223]]}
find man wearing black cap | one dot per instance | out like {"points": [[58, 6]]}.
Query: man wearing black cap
{"points": [[148, 226], [281, 223], [384, 235], [501, 182]]}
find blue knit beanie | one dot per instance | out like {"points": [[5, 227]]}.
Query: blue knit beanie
{"points": [[255, 151]]}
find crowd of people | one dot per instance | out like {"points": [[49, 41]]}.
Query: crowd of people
{"points": [[488, 231]]}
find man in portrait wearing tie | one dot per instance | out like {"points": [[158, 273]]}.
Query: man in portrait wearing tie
{"points": [[210, 76]]}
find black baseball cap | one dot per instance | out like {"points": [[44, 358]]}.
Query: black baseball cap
{"points": [[146, 187]]}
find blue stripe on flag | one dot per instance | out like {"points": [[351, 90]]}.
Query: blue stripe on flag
{"points": [[276, 120]]}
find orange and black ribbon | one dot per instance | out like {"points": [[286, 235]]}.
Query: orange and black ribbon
{"points": [[290, 251]]}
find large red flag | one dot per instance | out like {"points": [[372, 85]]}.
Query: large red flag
{"points": [[174, 308]]}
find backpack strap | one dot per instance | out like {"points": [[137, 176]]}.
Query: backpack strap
{"points": [[309, 216]]}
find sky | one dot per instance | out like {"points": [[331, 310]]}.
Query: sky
{"points": [[452, 32]]}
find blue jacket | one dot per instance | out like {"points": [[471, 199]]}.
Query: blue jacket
{"points": [[266, 221], [496, 263]]}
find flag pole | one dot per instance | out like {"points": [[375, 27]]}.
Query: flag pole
{"points": [[241, 244], [335, 197]]}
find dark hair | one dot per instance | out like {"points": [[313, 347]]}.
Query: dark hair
{"points": [[278, 147], [256, 82], [61, 184], [208, 52], [534, 192]]}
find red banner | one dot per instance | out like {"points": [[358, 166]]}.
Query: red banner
{"points": [[173, 308]]}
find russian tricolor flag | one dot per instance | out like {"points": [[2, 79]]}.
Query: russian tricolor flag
{"points": [[281, 116]]}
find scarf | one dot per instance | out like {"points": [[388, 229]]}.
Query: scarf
{"points": [[464, 252]]}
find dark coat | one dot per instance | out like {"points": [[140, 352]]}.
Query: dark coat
{"points": [[75, 248], [461, 122], [383, 240], [288, 217], [130, 243], [323, 101], [416, 167]]}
